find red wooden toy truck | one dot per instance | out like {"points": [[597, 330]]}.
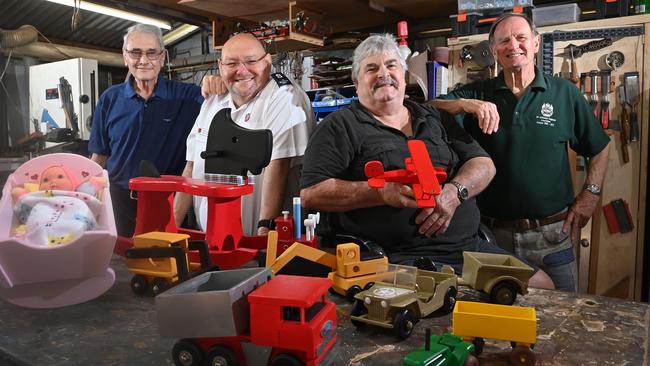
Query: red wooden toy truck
{"points": [[243, 317]]}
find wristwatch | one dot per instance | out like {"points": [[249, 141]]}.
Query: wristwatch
{"points": [[463, 193], [593, 188], [267, 223]]}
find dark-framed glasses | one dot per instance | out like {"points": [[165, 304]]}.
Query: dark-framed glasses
{"points": [[136, 54], [231, 64]]}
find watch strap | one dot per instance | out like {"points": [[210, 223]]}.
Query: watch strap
{"points": [[462, 191], [593, 188], [267, 223]]}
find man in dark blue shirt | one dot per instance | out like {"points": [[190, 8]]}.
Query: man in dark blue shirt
{"points": [[145, 118]]}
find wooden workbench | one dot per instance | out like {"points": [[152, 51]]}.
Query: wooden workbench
{"points": [[120, 328]]}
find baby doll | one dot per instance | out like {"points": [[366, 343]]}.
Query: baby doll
{"points": [[58, 210], [57, 177]]}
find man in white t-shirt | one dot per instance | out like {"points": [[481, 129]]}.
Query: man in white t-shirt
{"points": [[257, 100]]}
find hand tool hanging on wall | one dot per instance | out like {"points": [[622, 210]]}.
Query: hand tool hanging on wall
{"points": [[631, 83], [583, 84], [625, 124], [618, 217], [605, 79], [573, 73], [593, 93], [596, 45]]}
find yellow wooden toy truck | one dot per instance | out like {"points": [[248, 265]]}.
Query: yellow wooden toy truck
{"points": [[474, 321], [350, 270], [159, 260]]}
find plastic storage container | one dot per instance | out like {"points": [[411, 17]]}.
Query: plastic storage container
{"points": [[556, 14], [464, 24], [469, 5]]}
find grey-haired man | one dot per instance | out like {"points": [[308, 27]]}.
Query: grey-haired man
{"points": [[378, 127]]}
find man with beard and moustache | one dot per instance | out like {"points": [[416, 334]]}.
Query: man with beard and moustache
{"points": [[378, 127], [257, 99], [148, 117], [525, 120]]}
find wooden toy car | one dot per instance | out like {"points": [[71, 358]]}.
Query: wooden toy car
{"points": [[159, 260], [474, 321], [442, 350], [403, 297], [245, 317], [501, 276]]}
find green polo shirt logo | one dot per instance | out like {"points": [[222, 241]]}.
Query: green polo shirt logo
{"points": [[546, 118]]}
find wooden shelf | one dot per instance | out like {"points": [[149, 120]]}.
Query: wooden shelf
{"points": [[295, 40]]}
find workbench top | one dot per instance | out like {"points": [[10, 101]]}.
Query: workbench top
{"points": [[120, 328]]}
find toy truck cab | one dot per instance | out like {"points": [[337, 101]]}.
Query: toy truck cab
{"points": [[442, 350], [291, 315], [403, 297], [355, 273]]}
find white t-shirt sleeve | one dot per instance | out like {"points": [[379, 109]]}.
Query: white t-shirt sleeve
{"points": [[290, 118], [206, 112]]}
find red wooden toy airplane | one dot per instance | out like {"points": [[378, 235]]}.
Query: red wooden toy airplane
{"points": [[420, 174]]}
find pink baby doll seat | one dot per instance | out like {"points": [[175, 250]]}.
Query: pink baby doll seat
{"points": [[34, 275]]}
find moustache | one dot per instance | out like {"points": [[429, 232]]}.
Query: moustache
{"points": [[384, 82]]}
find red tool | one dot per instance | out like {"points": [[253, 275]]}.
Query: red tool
{"points": [[605, 79], [419, 173]]}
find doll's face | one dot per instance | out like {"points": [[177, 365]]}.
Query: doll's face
{"points": [[55, 178]]}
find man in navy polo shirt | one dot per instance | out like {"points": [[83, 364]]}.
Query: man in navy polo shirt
{"points": [[525, 120], [145, 118]]}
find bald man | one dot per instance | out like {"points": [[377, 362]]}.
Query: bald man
{"points": [[257, 100]]}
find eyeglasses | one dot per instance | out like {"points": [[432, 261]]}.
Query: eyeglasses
{"points": [[233, 65], [136, 54]]}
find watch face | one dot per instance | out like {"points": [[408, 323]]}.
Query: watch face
{"points": [[463, 193]]}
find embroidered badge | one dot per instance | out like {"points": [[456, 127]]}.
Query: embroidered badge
{"points": [[546, 117]]}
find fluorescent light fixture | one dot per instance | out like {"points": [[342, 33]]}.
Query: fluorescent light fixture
{"points": [[178, 33], [101, 9]]}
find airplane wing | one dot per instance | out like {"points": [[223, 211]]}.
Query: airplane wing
{"points": [[427, 177]]}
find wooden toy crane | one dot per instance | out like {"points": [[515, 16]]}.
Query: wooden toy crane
{"points": [[419, 173]]}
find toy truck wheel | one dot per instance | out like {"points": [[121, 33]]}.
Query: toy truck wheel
{"points": [[352, 291], [522, 356], [221, 356], [450, 300], [471, 360], [478, 343], [503, 293], [185, 353], [403, 324], [368, 286], [358, 309], [139, 284], [285, 359], [159, 285]]}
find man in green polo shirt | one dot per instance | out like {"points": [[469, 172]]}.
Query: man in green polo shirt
{"points": [[524, 119]]}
